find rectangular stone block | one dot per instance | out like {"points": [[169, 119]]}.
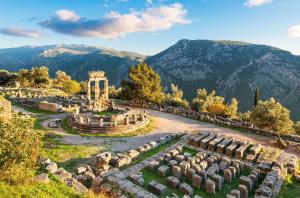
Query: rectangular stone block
{"points": [[164, 171], [204, 142], [240, 152], [221, 148], [173, 182], [230, 150], [157, 188], [212, 146]]}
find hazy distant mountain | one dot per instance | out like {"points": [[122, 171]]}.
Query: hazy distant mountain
{"points": [[233, 69], [76, 60]]}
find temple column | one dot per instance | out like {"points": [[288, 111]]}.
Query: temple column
{"points": [[88, 91], [105, 89], [97, 89]]}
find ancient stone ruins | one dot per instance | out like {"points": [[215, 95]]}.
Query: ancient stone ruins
{"points": [[196, 165], [119, 120]]}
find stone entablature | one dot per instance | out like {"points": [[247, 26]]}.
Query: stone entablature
{"points": [[5, 108]]}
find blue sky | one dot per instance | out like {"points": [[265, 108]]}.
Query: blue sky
{"points": [[146, 26]]}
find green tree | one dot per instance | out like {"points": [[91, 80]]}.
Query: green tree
{"points": [[40, 77], [142, 84], [71, 87], [256, 96], [271, 115], [20, 147], [114, 92], [204, 101], [297, 127], [175, 97], [7, 77], [24, 77], [211, 103], [231, 110], [60, 79], [245, 116]]}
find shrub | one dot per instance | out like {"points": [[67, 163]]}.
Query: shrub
{"points": [[20, 146], [271, 115]]}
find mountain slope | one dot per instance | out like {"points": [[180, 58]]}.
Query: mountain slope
{"points": [[233, 69], [76, 60]]}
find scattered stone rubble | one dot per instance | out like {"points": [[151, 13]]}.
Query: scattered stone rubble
{"points": [[66, 177]]}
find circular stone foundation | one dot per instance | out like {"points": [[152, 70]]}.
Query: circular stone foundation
{"points": [[117, 121]]}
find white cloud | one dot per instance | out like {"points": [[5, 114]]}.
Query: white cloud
{"points": [[114, 24], [149, 1], [67, 15], [254, 3], [17, 31], [294, 31]]}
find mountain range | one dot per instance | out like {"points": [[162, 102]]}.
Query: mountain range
{"points": [[232, 68]]}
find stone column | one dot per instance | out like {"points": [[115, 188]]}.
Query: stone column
{"points": [[97, 89], [127, 120], [88, 90], [105, 89], [101, 122]]}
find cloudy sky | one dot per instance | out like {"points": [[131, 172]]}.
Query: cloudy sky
{"points": [[149, 26]]}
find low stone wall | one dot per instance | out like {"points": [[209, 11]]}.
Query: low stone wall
{"points": [[53, 107], [210, 118], [92, 129]]}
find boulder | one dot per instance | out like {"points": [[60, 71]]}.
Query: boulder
{"points": [[157, 188], [173, 181], [164, 171], [186, 189], [42, 178], [210, 187]]}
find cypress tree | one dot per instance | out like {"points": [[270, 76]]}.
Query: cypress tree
{"points": [[256, 96]]}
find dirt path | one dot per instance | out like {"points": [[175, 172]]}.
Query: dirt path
{"points": [[165, 123]]}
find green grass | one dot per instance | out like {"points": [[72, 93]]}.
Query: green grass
{"points": [[37, 124], [290, 188], [54, 188], [189, 150], [151, 126], [31, 109], [65, 155], [149, 175], [152, 152]]}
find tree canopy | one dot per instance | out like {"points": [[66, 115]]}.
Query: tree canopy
{"points": [[60, 79], [175, 97], [142, 84], [271, 115], [211, 103], [71, 87], [36, 77]]}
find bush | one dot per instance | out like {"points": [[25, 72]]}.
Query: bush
{"points": [[271, 115], [71, 87], [20, 147], [211, 103], [175, 98]]}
